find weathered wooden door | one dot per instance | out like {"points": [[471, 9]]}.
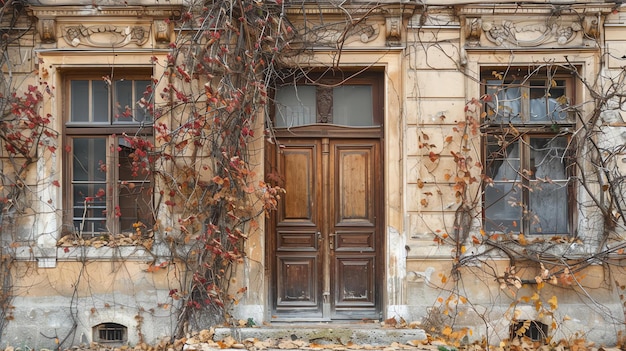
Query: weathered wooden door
{"points": [[326, 247]]}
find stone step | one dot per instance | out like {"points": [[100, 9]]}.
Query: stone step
{"points": [[325, 333]]}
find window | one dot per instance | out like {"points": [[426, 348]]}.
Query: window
{"points": [[534, 330], [527, 99], [110, 333], [108, 140], [331, 100], [527, 135]]}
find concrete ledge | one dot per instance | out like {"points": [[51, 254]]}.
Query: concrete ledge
{"points": [[359, 334]]}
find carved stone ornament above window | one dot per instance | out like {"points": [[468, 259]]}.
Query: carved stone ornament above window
{"points": [[511, 33], [105, 35], [47, 30], [331, 34], [525, 34]]}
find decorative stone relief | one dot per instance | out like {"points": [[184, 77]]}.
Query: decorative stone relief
{"points": [[393, 26], [591, 27], [333, 34], [162, 31], [473, 30], [526, 34], [324, 105], [105, 35], [47, 30]]}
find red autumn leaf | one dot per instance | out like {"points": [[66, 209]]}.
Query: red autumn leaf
{"points": [[100, 193], [182, 144], [68, 148], [433, 156], [56, 183]]}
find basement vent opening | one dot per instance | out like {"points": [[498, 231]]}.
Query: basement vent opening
{"points": [[534, 330], [110, 333]]}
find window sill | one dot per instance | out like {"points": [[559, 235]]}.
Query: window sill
{"points": [[47, 257]]}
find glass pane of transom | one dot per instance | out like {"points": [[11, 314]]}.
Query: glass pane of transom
{"points": [[79, 106], [295, 106], [352, 105], [123, 101], [100, 101], [504, 102], [548, 102], [140, 107]]}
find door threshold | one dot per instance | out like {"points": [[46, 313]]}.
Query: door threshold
{"points": [[300, 323]]}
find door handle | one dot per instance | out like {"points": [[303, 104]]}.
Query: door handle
{"points": [[331, 240]]}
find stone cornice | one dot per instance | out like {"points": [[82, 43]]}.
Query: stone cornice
{"points": [[105, 11], [533, 10], [328, 9]]}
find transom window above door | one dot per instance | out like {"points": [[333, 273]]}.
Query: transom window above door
{"points": [[329, 99]]}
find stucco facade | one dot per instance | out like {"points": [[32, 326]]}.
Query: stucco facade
{"points": [[433, 57]]}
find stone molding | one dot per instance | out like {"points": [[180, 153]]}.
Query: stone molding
{"points": [[532, 25], [105, 35], [525, 33], [89, 25]]}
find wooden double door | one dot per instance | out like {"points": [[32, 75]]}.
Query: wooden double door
{"points": [[326, 240]]}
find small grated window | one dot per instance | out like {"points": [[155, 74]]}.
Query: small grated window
{"points": [[109, 333], [534, 330]]}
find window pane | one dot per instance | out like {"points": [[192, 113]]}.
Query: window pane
{"points": [[123, 102], [100, 101], [506, 102], [547, 105], [141, 109], [89, 162], [134, 190], [352, 105], [503, 200], [89, 185], [503, 207], [548, 197], [89, 208], [503, 159], [79, 105], [295, 106], [548, 208]]}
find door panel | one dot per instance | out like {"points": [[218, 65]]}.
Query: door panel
{"points": [[298, 266], [300, 173], [354, 231], [298, 277], [353, 184], [356, 284], [327, 237]]}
